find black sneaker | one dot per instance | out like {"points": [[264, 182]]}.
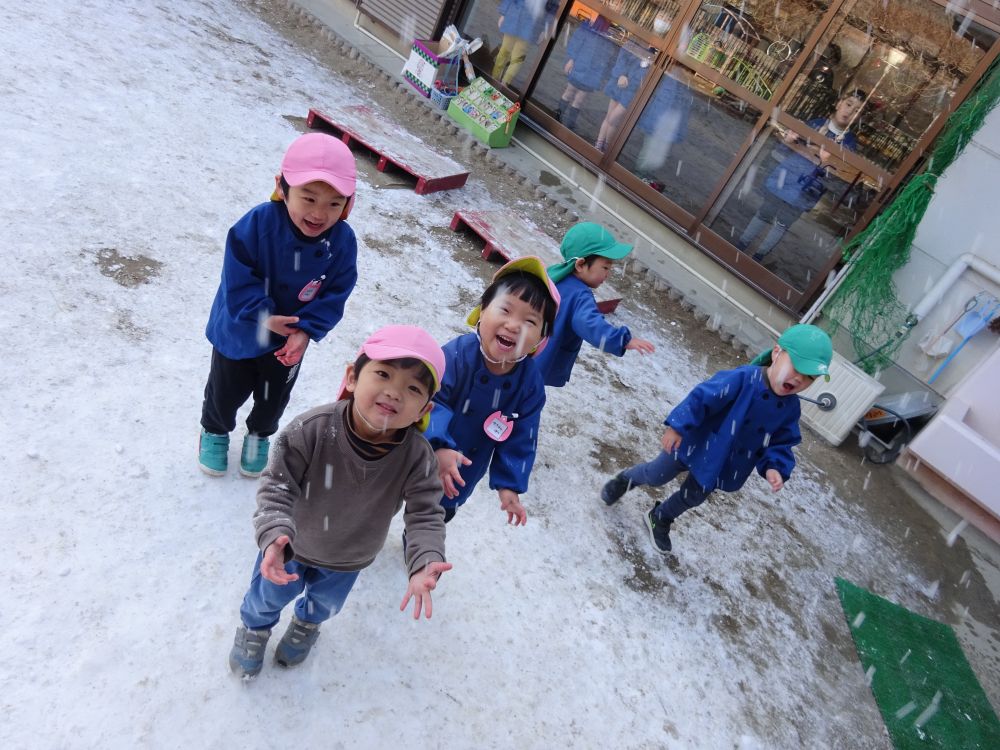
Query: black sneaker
{"points": [[659, 531], [615, 487]]}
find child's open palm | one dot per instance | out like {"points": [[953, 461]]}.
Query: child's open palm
{"points": [[448, 463], [640, 345], [422, 583], [272, 567]]}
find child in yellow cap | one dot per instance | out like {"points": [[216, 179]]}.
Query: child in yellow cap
{"points": [[736, 421], [486, 414]]}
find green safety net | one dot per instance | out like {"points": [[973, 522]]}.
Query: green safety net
{"points": [[866, 303]]}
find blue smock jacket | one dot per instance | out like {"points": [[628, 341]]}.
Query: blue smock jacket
{"points": [[734, 423], [526, 19], [267, 266], [787, 179], [592, 54], [628, 64], [469, 394], [669, 107], [578, 320]]}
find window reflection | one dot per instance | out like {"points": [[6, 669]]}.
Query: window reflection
{"points": [[513, 32], [797, 198], [910, 55], [753, 48], [592, 74], [685, 139]]}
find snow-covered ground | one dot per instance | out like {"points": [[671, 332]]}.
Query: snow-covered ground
{"points": [[131, 130]]}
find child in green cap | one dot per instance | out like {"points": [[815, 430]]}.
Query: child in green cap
{"points": [[589, 251], [736, 421]]}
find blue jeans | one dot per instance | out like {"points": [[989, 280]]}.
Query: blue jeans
{"points": [[658, 472], [325, 593]]}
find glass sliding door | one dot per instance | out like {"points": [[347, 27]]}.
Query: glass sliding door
{"points": [[686, 138], [906, 58], [514, 35]]}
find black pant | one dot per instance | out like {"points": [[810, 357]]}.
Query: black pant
{"points": [[232, 381]]}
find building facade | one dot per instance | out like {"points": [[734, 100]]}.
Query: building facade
{"points": [[722, 119]]}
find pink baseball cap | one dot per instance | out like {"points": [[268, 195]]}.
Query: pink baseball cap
{"points": [[404, 342], [320, 157]]}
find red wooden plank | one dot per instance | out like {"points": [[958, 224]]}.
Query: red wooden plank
{"points": [[510, 236], [393, 145]]}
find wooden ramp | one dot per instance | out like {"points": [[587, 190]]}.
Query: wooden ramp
{"points": [[510, 236], [394, 145]]}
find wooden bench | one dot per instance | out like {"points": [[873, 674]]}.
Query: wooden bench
{"points": [[393, 145], [510, 236]]}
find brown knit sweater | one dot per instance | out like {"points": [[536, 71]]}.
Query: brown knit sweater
{"points": [[336, 506]]}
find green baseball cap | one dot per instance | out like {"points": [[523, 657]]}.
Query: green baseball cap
{"points": [[809, 348], [583, 239]]}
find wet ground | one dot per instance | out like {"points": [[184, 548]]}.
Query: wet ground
{"points": [[856, 521]]}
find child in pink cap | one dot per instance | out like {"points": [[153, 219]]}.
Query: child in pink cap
{"points": [[289, 267], [338, 475]]}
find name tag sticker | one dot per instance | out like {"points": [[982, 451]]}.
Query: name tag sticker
{"points": [[498, 427]]}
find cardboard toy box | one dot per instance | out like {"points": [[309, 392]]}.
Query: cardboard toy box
{"points": [[425, 66], [485, 112]]}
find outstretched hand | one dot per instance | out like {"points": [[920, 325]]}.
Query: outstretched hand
{"points": [[272, 567], [448, 463], [510, 503], [640, 345], [671, 440], [419, 589], [773, 477]]}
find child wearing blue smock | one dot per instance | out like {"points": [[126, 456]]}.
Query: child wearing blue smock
{"points": [[733, 423], [290, 265], [590, 54], [486, 414], [797, 183], [626, 76], [522, 23], [589, 251]]}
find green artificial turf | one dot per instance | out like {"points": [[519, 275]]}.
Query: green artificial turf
{"points": [[927, 692]]}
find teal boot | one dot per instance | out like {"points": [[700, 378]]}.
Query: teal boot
{"points": [[213, 453], [253, 459]]}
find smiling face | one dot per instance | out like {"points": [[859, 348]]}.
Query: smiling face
{"points": [[595, 273], [783, 377], [509, 328], [387, 397], [313, 207]]}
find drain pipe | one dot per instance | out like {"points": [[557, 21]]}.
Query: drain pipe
{"points": [[929, 300]]}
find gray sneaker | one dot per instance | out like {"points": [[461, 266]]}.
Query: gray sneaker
{"points": [[295, 644], [247, 655], [659, 531], [615, 488]]}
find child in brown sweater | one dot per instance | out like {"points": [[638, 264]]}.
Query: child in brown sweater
{"points": [[337, 476]]}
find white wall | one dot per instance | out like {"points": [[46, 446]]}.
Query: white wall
{"points": [[963, 217]]}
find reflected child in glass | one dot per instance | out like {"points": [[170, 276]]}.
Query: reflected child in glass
{"points": [[589, 57], [522, 23], [798, 182]]}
